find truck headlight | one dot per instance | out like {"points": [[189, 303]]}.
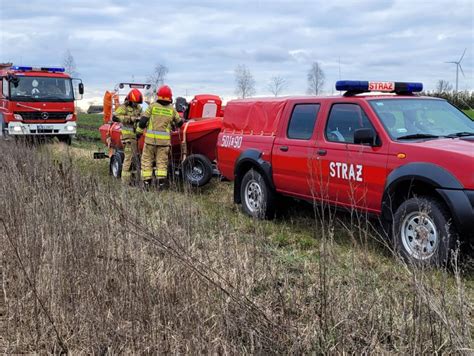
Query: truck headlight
{"points": [[70, 128], [17, 117], [16, 128], [69, 117]]}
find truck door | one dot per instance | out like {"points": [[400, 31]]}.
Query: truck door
{"points": [[353, 175], [3, 103], [294, 150]]}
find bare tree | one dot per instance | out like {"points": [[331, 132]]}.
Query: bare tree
{"points": [[157, 78], [277, 85], [443, 86], [316, 79], [244, 82], [69, 64]]}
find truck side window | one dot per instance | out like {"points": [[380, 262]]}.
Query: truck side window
{"points": [[343, 120], [4, 87], [303, 118]]}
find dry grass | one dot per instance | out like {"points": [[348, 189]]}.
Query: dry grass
{"points": [[91, 266]]}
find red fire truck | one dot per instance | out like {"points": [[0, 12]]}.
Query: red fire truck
{"points": [[405, 158], [38, 102]]}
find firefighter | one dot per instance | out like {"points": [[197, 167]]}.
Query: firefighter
{"points": [[128, 114], [159, 119]]}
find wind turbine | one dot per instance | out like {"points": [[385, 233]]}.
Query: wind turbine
{"points": [[458, 67]]}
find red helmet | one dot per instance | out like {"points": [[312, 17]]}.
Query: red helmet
{"points": [[135, 96], [165, 93]]}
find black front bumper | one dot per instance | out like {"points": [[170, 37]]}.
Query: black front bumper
{"points": [[461, 205]]}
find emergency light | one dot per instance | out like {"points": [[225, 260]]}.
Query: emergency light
{"points": [[361, 86], [53, 69], [43, 69], [22, 68]]}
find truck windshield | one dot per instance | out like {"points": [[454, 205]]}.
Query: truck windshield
{"points": [[422, 118], [41, 89]]}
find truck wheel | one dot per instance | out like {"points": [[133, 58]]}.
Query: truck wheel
{"points": [[258, 200], [197, 170], [115, 165], [67, 139], [422, 231]]}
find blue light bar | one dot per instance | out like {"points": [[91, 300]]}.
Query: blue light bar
{"points": [[352, 85], [42, 69], [53, 69], [361, 86], [409, 87], [21, 68]]}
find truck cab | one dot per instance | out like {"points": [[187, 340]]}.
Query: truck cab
{"points": [[38, 102], [405, 158]]}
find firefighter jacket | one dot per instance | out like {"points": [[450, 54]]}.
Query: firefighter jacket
{"points": [[128, 116], [158, 120]]}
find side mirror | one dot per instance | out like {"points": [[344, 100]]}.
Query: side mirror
{"points": [[365, 137], [78, 88]]}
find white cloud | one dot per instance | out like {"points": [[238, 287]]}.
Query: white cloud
{"points": [[202, 42]]}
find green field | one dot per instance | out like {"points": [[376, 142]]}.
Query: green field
{"points": [[470, 113], [88, 127]]}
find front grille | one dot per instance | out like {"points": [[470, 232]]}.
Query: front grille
{"points": [[44, 131], [43, 115]]}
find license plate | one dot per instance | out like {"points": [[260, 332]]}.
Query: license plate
{"points": [[45, 127]]}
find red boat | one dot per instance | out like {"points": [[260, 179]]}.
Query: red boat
{"points": [[193, 146]]}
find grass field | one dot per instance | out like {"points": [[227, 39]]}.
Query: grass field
{"points": [[91, 265], [470, 113], [88, 127]]}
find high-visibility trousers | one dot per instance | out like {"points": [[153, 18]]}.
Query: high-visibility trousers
{"points": [[155, 154], [130, 163]]}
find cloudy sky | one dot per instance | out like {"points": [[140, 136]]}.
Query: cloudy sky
{"points": [[201, 42]]}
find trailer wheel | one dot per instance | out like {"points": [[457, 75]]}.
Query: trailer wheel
{"points": [[197, 170], [115, 165], [258, 200]]}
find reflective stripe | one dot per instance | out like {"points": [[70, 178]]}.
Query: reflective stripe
{"points": [[161, 111], [160, 135], [147, 174], [161, 173], [127, 130]]}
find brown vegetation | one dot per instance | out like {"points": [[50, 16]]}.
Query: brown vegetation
{"points": [[92, 266]]}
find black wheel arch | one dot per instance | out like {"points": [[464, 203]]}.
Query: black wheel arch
{"points": [[421, 178], [251, 159]]}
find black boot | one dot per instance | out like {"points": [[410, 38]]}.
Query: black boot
{"points": [[147, 184]]}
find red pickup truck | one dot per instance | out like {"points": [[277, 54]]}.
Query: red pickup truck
{"points": [[406, 158]]}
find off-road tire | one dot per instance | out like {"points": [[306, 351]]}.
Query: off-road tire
{"points": [[258, 199], [423, 232], [197, 170], [115, 165]]}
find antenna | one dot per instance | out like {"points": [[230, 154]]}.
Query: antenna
{"points": [[458, 67]]}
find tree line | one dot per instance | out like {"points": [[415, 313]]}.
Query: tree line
{"points": [[245, 84], [462, 99]]}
